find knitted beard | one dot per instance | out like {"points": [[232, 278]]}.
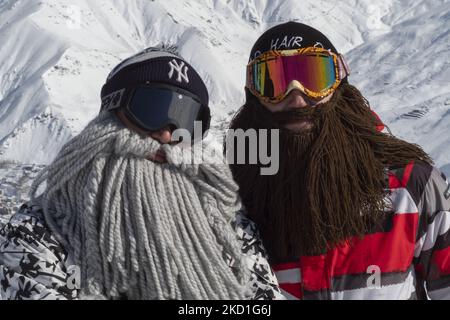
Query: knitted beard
{"points": [[331, 183], [141, 229]]}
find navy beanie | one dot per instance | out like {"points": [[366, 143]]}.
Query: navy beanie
{"points": [[153, 65]]}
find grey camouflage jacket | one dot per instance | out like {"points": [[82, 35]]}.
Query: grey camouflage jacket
{"points": [[34, 265]]}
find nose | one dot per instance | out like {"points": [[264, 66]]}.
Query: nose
{"points": [[163, 135], [296, 99]]}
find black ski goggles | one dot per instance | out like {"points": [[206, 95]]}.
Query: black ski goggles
{"points": [[156, 106]]}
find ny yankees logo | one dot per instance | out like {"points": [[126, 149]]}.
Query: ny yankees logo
{"points": [[182, 72]]}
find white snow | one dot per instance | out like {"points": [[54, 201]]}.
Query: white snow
{"points": [[55, 56]]}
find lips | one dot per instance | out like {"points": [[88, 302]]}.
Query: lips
{"points": [[159, 157], [300, 125]]}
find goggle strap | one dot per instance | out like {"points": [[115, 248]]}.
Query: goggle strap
{"points": [[344, 69]]}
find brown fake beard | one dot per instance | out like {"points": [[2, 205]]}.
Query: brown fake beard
{"points": [[331, 182]]}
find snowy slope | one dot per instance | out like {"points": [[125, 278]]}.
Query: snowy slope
{"points": [[55, 56], [410, 87]]}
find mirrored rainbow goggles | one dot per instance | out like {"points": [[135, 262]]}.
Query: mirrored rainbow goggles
{"points": [[314, 71]]}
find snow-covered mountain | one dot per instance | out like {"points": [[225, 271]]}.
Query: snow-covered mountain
{"points": [[55, 56]]}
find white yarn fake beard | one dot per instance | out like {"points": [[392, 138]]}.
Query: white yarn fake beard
{"points": [[146, 230]]}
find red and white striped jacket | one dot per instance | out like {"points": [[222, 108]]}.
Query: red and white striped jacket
{"points": [[408, 259]]}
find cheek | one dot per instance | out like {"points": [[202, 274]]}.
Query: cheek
{"points": [[326, 99]]}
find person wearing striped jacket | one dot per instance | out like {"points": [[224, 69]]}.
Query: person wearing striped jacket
{"points": [[353, 212]]}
